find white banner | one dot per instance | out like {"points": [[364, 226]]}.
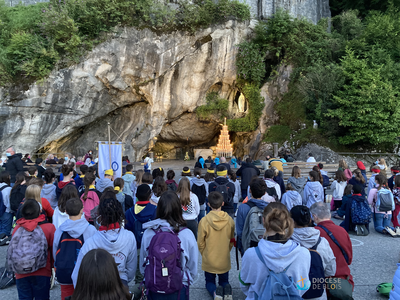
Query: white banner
{"points": [[104, 158]]}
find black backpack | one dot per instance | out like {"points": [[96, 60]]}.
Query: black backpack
{"points": [[315, 274], [223, 189], [272, 192], [16, 197], [200, 192], [172, 187]]}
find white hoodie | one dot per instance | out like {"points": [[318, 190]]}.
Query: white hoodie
{"points": [[193, 209], [6, 196], [272, 184], [60, 217], [277, 257], [338, 189]]}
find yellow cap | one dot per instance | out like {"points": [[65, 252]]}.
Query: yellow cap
{"points": [[186, 172], [117, 188], [109, 172], [210, 171]]}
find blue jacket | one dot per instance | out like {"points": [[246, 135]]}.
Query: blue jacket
{"points": [[148, 213], [354, 182]]}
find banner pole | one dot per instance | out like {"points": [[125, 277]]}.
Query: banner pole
{"points": [[109, 143]]}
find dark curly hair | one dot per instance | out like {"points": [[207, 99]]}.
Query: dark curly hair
{"points": [[110, 212]]}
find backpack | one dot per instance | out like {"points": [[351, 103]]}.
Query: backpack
{"points": [[360, 212], [81, 189], [200, 192], [66, 256], [272, 192], [315, 274], [326, 181], [277, 286], [90, 203], [16, 197], [163, 272], [253, 229], [27, 251], [172, 187], [3, 207], [385, 201], [223, 189], [137, 229]]}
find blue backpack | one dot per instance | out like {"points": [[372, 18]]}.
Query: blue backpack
{"points": [[360, 212], [66, 256], [277, 286], [326, 181], [3, 207], [317, 272], [385, 201]]}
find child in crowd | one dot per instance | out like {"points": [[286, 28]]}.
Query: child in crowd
{"points": [[395, 172], [33, 192], [67, 172], [80, 185], [17, 194], [200, 188], [171, 184], [147, 179], [159, 188], [186, 172], [136, 183], [169, 222], [340, 213], [92, 282], [114, 238], [272, 187], [128, 178], [49, 189], [68, 240], [29, 254], [275, 252], [106, 181], [371, 183], [338, 186], [291, 198], [358, 179], [7, 217], [91, 197], [60, 215], [125, 200], [297, 181], [216, 231], [345, 169], [159, 172], [381, 163], [235, 181], [189, 203], [222, 184], [395, 213], [313, 191], [33, 172]]}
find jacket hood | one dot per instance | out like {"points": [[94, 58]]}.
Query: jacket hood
{"points": [[324, 173], [48, 189], [128, 177], [260, 203], [313, 185], [110, 238], [19, 155], [103, 183], [306, 237], [30, 225], [75, 228], [278, 256], [199, 181], [217, 219], [293, 195], [62, 184], [146, 213], [156, 223], [358, 198], [169, 181], [270, 183], [297, 183], [221, 180]]}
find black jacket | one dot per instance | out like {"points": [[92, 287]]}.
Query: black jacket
{"points": [[40, 170], [228, 204], [14, 165], [246, 173]]}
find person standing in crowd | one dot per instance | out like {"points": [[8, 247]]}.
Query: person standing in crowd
{"points": [[216, 231], [7, 217], [14, 164], [224, 163], [158, 172], [171, 184], [136, 183], [275, 252], [200, 188], [341, 246], [395, 171], [273, 189], [114, 238], [200, 163], [68, 172], [190, 205], [313, 191], [233, 179], [88, 154], [128, 178], [278, 178], [17, 194], [60, 215], [227, 189], [91, 197], [76, 230], [105, 182], [40, 169], [297, 181], [276, 163], [35, 284], [395, 213], [171, 225], [371, 183], [159, 188], [246, 172], [147, 163]]}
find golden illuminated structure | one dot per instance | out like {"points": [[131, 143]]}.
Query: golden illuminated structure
{"points": [[224, 147]]}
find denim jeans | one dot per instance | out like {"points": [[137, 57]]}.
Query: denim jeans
{"points": [[381, 221], [33, 287], [201, 215], [223, 280], [183, 296], [6, 223], [244, 194]]}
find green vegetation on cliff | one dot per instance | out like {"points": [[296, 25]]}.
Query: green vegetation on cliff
{"points": [[37, 38]]}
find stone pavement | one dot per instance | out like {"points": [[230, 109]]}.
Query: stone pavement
{"points": [[374, 262]]}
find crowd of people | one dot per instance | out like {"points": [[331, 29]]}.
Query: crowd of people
{"points": [[148, 228]]}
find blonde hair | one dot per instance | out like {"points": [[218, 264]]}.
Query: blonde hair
{"points": [[343, 164], [33, 192], [296, 172], [277, 218], [276, 171], [184, 191], [382, 162], [139, 176]]}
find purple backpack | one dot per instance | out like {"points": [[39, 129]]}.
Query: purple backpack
{"points": [[163, 272]]}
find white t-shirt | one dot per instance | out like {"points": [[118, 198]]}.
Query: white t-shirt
{"points": [[148, 161], [311, 159]]}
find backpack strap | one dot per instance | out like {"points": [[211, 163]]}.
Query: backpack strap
{"points": [[262, 260], [330, 234], [3, 187], [316, 245], [251, 204]]}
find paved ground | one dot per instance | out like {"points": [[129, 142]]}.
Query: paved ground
{"points": [[374, 262]]}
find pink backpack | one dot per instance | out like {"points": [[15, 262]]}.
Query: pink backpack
{"points": [[90, 203]]}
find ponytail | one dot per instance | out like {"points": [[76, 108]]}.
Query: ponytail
{"points": [[19, 178], [88, 180]]}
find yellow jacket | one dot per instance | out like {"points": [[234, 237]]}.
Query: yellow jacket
{"points": [[277, 163], [216, 230]]}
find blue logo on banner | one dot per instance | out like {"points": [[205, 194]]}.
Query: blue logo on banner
{"points": [[114, 166]]}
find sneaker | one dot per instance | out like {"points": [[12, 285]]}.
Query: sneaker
{"points": [[390, 231], [219, 293], [2, 236], [5, 241], [397, 230], [364, 230], [6, 279], [52, 279], [228, 292], [358, 230]]}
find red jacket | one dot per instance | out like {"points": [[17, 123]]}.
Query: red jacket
{"points": [[48, 230], [341, 235]]}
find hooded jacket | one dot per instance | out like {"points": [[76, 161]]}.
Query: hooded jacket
{"points": [[353, 181], [291, 198], [281, 183], [128, 180], [60, 217], [48, 230], [342, 269], [272, 184], [313, 192], [216, 230], [338, 189], [348, 222], [6, 196], [199, 182], [228, 207], [277, 257], [49, 192], [371, 183], [189, 255], [298, 184], [75, 229], [241, 216], [120, 243], [14, 165], [238, 193], [143, 213], [200, 164], [246, 173], [63, 184], [104, 183]]}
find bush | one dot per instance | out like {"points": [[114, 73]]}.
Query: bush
{"points": [[215, 106]]}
